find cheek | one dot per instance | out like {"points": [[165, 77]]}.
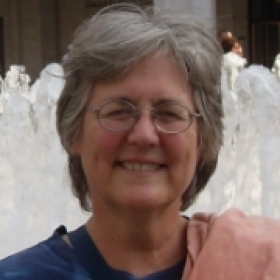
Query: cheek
{"points": [[183, 155], [184, 147], [106, 145], [99, 156]]}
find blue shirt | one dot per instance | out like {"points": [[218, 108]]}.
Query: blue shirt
{"points": [[54, 259]]}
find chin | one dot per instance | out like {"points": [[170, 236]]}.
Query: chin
{"points": [[147, 203]]}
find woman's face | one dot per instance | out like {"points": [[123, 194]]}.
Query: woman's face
{"points": [[141, 168], [237, 49]]}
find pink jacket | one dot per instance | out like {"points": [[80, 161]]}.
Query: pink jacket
{"points": [[232, 246]]}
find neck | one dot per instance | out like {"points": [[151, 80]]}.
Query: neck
{"points": [[137, 242]]}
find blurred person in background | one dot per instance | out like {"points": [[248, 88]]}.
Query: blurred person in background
{"points": [[233, 61]]}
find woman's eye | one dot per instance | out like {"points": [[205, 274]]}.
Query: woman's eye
{"points": [[168, 116], [117, 113]]}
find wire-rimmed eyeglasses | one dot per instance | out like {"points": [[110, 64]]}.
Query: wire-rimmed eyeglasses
{"points": [[121, 115]]}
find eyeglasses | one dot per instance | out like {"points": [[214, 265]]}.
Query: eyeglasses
{"points": [[121, 115]]}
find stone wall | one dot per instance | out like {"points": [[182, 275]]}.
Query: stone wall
{"points": [[37, 32]]}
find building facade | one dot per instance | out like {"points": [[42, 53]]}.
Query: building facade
{"points": [[35, 33]]}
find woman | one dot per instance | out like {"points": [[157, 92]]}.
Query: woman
{"points": [[233, 61], [140, 117]]}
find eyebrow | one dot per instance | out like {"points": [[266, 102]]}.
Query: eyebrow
{"points": [[168, 100], [157, 101]]}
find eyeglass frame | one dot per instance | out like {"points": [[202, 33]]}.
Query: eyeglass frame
{"points": [[137, 115]]}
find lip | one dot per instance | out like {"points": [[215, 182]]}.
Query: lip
{"points": [[160, 165], [141, 161]]}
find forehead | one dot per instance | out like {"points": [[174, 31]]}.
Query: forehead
{"points": [[153, 77]]}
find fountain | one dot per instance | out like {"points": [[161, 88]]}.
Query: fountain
{"points": [[248, 172], [276, 66], [35, 196]]}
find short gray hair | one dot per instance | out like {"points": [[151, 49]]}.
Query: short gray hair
{"points": [[109, 44]]}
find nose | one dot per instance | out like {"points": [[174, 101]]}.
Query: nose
{"points": [[144, 131]]}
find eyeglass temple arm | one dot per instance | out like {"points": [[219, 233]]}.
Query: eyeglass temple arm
{"points": [[93, 110], [197, 115]]}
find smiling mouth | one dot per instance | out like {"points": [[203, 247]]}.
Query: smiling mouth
{"points": [[142, 167]]}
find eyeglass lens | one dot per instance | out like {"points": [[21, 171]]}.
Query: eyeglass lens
{"points": [[120, 115]]}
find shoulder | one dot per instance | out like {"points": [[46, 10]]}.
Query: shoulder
{"points": [[235, 221], [50, 259], [233, 59], [235, 244], [254, 236], [251, 229]]}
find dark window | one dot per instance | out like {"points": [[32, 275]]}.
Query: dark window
{"points": [[264, 28], [2, 64]]}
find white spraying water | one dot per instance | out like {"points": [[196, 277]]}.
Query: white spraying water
{"points": [[35, 196], [248, 172]]}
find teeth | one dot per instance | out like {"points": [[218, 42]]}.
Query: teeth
{"points": [[140, 167]]}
